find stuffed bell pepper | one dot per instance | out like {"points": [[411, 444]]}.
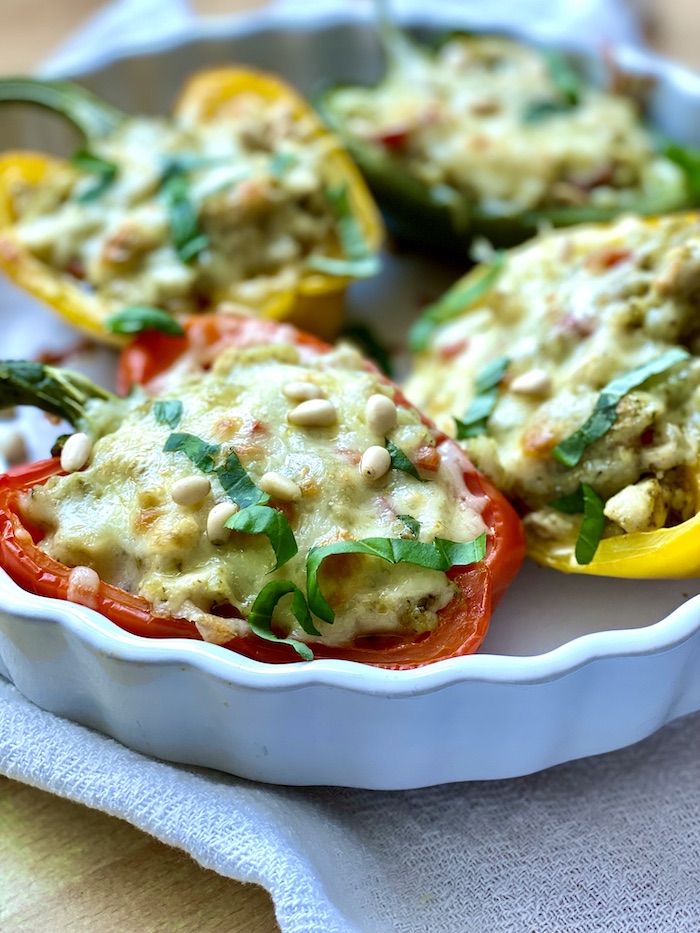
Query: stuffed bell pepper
{"points": [[261, 491], [569, 369], [488, 136], [240, 199]]}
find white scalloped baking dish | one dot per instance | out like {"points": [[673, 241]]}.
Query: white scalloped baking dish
{"points": [[572, 666]]}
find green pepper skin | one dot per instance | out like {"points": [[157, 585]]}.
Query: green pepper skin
{"points": [[419, 216]]}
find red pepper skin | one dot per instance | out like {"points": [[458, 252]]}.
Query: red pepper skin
{"points": [[462, 624]]}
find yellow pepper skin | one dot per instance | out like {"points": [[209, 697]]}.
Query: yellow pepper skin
{"points": [[668, 553], [664, 553], [315, 304]]}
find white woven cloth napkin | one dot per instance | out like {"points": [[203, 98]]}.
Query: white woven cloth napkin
{"points": [[610, 843], [606, 844]]}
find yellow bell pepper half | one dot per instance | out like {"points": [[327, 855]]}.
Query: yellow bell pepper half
{"points": [[665, 553], [314, 304]]}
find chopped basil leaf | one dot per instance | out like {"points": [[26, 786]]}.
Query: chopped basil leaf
{"points": [[260, 618], [363, 268], [357, 260], [440, 555], [563, 76], [59, 444], [458, 299], [349, 231], [486, 386], [571, 504], [592, 526], [168, 411], [571, 449], [105, 171], [281, 162], [544, 109], [399, 461], [585, 500], [262, 520], [185, 231], [199, 452], [137, 318], [411, 523], [370, 345], [184, 163], [238, 485], [688, 160]]}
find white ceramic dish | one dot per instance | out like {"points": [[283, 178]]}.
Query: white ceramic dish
{"points": [[572, 666]]}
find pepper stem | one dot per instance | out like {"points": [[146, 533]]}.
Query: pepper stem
{"points": [[91, 115], [60, 392], [398, 48]]}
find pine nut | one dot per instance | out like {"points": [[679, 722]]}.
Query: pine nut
{"points": [[280, 486], [12, 447], [302, 391], [533, 382], [83, 586], [217, 532], [190, 490], [316, 413], [76, 452], [376, 461], [380, 414]]}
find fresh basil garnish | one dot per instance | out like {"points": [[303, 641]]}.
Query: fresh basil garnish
{"points": [[199, 452], [486, 386], [439, 555], [358, 261], [260, 618], [563, 76], [541, 110], [585, 500], [105, 172], [399, 461], [263, 520], [458, 299], [137, 318], [187, 236], [238, 485], [688, 160], [571, 449], [363, 268], [411, 523], [168, 411]]}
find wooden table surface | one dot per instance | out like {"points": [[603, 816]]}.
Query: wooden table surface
{"points": [[65, 868]]}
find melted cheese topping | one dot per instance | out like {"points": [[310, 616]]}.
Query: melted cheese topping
{"points": [[572, 310], [118, 517], [256, 182], [459, 119]]}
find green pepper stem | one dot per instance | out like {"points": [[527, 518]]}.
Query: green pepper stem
{"points": [[398, 48], [91, 115], [57, 391]]}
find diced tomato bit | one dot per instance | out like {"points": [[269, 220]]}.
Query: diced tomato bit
{"points": [[226, 428], [539, 441], [427, 459], [606, 258], [450, 350], [288, 509], [394, 139], [647, 438], [350, 454], [76, 268]]}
